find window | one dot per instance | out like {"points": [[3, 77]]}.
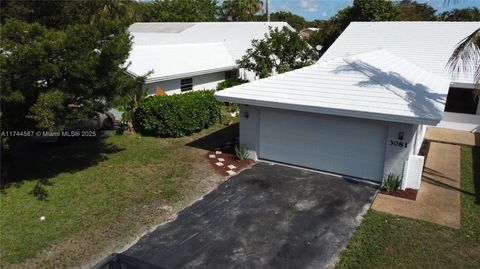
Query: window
{"points": [[461, 101], [186, 84], [232, 74]]}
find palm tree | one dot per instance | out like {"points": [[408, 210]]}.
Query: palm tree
{"points": [[242, 9], [466, 58]]}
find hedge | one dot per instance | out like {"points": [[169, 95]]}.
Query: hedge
{"points": [[177, 115]]}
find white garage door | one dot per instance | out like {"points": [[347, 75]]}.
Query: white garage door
{"points": [[347, 146]]}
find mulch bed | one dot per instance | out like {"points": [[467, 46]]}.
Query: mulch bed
{"points": [[225, 154], [409, 194]]}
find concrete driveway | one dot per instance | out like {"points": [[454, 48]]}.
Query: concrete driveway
{"points": [[269, 216]]}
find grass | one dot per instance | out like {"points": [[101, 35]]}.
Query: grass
{"points": [[93, 194], [386, 241]]}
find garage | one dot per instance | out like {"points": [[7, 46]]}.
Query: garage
{"points": [[361, 116], [334, 144]]}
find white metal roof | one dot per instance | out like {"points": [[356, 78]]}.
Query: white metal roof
{"points": [[175, 50], [177, 61], [375, 85], [236, 36], [427, 44]]}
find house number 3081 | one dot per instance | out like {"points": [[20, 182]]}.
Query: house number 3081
{"points": [[396, 143]]}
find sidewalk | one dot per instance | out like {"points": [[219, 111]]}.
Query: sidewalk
{"points": [[438, 199], [452, 136]]}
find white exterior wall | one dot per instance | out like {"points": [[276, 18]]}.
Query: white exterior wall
{"points": [[459, 121], [397, 155], [250, 129], [202, 82]]}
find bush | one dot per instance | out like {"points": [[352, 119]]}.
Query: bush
{"points": [[230, 82], [178, 115], [392, 182], [241, 152]]}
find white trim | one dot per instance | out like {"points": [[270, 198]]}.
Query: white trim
{"points": [[361, 180], [329, 111]]}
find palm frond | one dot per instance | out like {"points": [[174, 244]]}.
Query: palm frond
{"points": [[466, 57]]}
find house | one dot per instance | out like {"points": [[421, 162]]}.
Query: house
{"points": [[192, 56], [426, 44], [362, 109], [307, 32], [361, 116]]}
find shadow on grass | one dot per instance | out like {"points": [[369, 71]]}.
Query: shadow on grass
{"points": [[31, 160], [216, 139], [476, 173]]}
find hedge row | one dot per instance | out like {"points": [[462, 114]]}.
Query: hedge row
{"points": [[177, 115]]}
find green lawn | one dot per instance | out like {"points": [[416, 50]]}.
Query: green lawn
{"points": [[386, 241], [94, 194]]}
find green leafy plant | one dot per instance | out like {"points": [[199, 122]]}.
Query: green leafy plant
{"points": [[177, 115], [392, 182], [241, 152], [230, 82]]}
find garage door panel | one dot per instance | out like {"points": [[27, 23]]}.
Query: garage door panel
{"points": [[342, 145]]}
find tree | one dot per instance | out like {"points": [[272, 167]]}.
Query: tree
{"points": [[413, 11], [178, 10], [294, 20], [241, 10], [466, 58], [55, 69], [361, 10], [281, 50], [465, 14]]}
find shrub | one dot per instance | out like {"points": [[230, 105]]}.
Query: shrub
{"points": [[230, 82], [241, 152], [392, 182], [178, 115]]}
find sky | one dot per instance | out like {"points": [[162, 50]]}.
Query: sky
{"points": [[324, 9]]}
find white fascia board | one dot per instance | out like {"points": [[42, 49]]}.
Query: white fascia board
{"points": [[190, 74], [329, 111], [462, 85]]}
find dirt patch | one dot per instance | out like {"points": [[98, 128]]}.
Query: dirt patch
{"points": [[408, 193], [224, 161]]}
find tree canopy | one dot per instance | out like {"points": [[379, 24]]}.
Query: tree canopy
{"points": [[56, 68], [281, 50], [178, 10], [241, 10], [465, 14]]}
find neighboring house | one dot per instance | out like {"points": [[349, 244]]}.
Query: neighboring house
{"points": [[426, 44], [192, 56], [307, 32]]}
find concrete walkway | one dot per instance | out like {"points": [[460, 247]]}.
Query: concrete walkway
{"points": [[452, 136], [438, 199]]}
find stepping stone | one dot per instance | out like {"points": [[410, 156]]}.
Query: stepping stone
{"points": [[231, 167], [219, 164], [228, 143], [218, 152], [230, 172], [217, 148], [227, 147], [211, 156], [221, 159]]}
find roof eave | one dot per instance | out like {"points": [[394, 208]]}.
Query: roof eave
{"points": [[330, 111], [190, 74]]}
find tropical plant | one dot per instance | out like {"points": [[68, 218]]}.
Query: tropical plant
{"points": [[466, 58], [230, 82], [129, 103], [281, 50], [241, 152], [240, 10], [392, 182]]}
